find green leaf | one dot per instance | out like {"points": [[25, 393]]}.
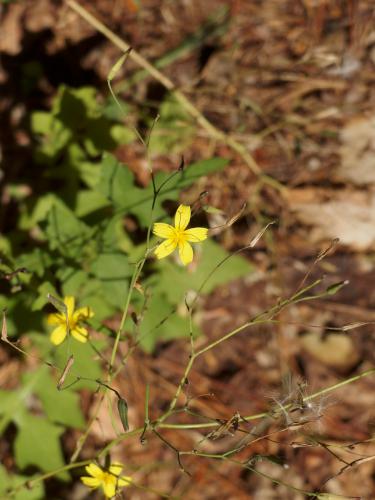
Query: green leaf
{"points": [[36, 492], [114, 271], [41, 122], [161, 322], [73, 281], [112, 111], [60, 406], [89, 172], [10, 481], [117, 66], [37, 443], [37, 440], [74, 106], [41, 210], [170, 284], [56, 135], [36, 261], [173, 186], [65, 232], [12, 403], [174, 130], [43, 290], [88, 201], [117, 185], [109, 266], [114, 237], [88, 289], [174, 280], [193, 172], [85, 365], [5, 246], [98, 302], [4, 479], [122, 134], [98, 137]]}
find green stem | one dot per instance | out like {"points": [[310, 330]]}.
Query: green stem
{"points": [[136, 273], [139, 430], [32, 482]]}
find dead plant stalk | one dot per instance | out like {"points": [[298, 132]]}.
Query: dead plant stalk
{"points": [[170, 86]]}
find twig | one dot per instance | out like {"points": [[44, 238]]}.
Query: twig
{"points": [[169, 85]]}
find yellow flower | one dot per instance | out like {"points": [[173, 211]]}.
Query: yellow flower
{"points": [[178, 236], [74, 318], [109, 480]]}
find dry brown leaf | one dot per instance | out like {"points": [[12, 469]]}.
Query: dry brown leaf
{"points": [[11, 30], [347, 214], [335, 350], [358, 152]]}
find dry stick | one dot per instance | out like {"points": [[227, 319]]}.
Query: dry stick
{"points": [[179, 96], [359, 461]]}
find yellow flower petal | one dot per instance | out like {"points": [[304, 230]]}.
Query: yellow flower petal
{"points": [[182, 217], [94, 471], [165, 249], [80, 333], [55, 319], [196, 234], [58, 335], [186, 253], [124, 481], [70, 304], [163, 230], [109, 488], [82, 314], [91, 482], [116, 469]]}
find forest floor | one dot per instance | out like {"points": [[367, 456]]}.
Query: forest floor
{"points": [[293, 82]]}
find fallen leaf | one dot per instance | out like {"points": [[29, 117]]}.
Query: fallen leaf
{"points": [[334, 350], [346, 214], [358, 152]]}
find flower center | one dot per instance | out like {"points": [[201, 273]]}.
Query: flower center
{"points": [[179, 237], [108, 478], [72, 322]]}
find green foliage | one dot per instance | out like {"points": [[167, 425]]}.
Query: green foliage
{"points": [[37, 442], [165, 297], [8, 482], [70, 238], [71, 235], [117, 185], [174, 129], [61, 407], [83, 364], [211, 256]]}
